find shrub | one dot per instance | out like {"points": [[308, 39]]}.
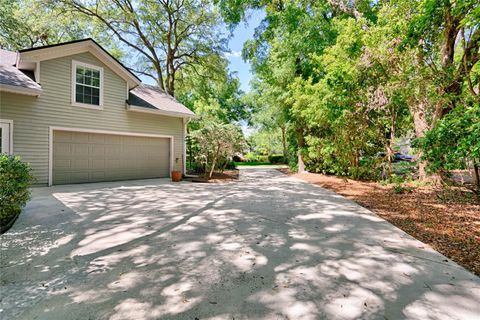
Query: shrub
{"points": [[237, 158], [263, 158], [15, 179], [252, 157], [276, 158], [196, 167], [230, 165], [216, 142]]}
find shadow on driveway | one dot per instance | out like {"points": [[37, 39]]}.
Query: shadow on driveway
{"points": [[266, 247]]}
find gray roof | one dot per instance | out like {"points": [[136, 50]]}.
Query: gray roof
{"points": [[156, 99], [12, 77]]}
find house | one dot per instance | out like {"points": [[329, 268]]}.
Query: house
{"points": [[77, 115]]}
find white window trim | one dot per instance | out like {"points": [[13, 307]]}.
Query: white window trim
{"points": [[10, 134], [76, 64], [121, 133]]}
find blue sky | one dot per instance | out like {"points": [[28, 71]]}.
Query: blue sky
{"points": [[244, 31]]}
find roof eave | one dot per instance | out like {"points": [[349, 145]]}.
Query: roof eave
{"points": [[134, 108], [21, 90]]}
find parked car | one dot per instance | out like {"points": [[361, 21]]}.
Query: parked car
{"points": [[397, 157]]}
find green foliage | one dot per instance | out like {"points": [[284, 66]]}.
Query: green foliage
{"points": [[217, 95], [15, 180], [277, 159], [266, 142], [28, 23], [454, 141], [253, 163], [255, 157], [344, 82]]}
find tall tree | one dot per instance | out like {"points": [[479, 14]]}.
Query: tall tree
{"points": [[212, 90], [167, 35]]}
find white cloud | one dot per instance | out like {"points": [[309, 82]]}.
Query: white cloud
{"points": [[233, 54]]}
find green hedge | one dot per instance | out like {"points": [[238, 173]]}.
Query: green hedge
{"points": [[276, 158], [15, 180]]}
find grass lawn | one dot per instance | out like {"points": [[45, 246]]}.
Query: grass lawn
{"points": [[446, 219]]}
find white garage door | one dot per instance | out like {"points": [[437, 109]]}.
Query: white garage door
{"points": [[80, 157]]}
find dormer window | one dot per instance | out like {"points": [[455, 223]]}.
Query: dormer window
{"points": [[87, 84]]}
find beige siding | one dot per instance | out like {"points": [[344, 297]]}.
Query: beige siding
{"points": [[33, 116]]}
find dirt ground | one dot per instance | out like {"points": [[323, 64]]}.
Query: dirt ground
{"points": [[225, 176], [447, 220]]}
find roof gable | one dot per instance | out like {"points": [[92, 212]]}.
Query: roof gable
{"points": [[27, 59]]}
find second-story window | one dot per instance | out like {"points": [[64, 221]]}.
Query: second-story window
{"points": [[88, 84]]}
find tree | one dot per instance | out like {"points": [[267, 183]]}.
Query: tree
{"points": [[445, 37], [216, 142], [167, 35], [213, 91], [30, 23], [455, 142], [350, 77]]}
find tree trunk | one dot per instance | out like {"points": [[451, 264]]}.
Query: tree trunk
{"points": [[214, 162], [301, 145], [284, 142], [171, 83], [476, 176], [389, 143], [388, 147], [421, 127]]}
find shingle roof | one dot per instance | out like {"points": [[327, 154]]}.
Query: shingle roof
{"points": [[11, 77], [154, 98]]}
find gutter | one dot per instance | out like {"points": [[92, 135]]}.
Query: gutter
{"points": [[21, 90], [160, 112]]}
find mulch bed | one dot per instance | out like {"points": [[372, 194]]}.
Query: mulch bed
{"points": [[446, 219], [225, 176]]}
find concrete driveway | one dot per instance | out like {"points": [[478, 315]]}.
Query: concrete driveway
{"points": [[265, 247]]}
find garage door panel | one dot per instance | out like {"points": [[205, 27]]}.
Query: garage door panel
{"points": [[80, 165], [97, 150], [80, 177], [89, 157], [63, 136], [62, 163], [96, 138], [79, 137], [113, 150], [61, 178], [113, 163], [98, 176], [62, 148], [97, 164], [79, 149]]}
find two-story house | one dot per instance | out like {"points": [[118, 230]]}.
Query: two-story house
{"points": [[76, 114]]}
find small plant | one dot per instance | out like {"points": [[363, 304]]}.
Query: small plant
{"points": [[399, 189], [399, 184], [15, 180]]}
